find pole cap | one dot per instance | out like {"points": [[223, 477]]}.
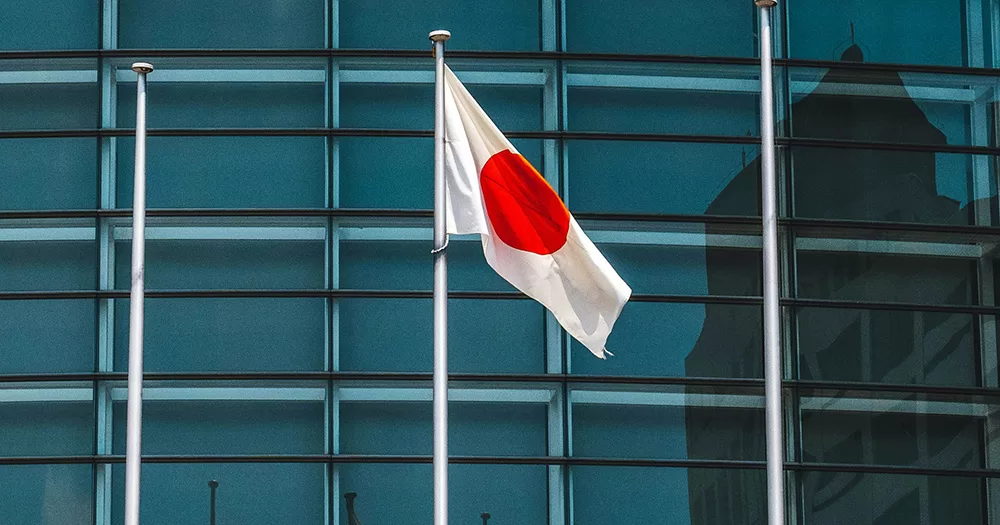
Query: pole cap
{"points": [[439, 35], [213, 484], [765, 3], [142, 67]]}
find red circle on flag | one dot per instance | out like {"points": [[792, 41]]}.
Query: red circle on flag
{"points": [[523, 209]]}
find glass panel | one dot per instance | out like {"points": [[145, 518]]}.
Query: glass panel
{"points": [[886, 346], [34, 344], [46, 419], [888, 438], [508, 25], [686, 270], [47, 255], [475, 429], [389, 493], [883, 277], [663, 177], [287, 24], [887, 106], [238, 93], [227, 172], [646, 495], [227, 418], [220, 334], [480, 336], [887, 31], [58, 24], [404, 265], [48, 174], [662, 98], [48, 494], [660, 28], [887, 499], [885, 185], [248, 493], [680, 340], [49, 94]]}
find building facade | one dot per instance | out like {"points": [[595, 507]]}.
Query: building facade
{"points": [[288, 313]]}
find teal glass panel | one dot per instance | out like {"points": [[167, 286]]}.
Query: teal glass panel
{"points": [[833, 498], [225, 264], [474, 429], [229, 426], [687, 496], [48, 494], [34, 344], [391, 493], [888, 278], [885, 438], [507, 25], [248, 493], [47, 428], [893, 186], [884, 346], [48, 174], [405, 265], [48, 265], [479, 333], [221, 334], [679, 340], [288, 24], [217, 103], [663, 177], [635, 26], [685, 270], [411, 106], [910, 32], [667, 432], [887, 106], [58, 24], [49, 94], [227, 172], [403, 176]]}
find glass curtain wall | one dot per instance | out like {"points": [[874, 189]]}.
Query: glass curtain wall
{"points": [[288, 314]]}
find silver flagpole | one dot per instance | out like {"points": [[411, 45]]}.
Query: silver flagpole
{"points": [[133, 440], [440, 291], [772, 308]]}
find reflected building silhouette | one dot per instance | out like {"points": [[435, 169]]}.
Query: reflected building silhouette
{"points": [[841, 344]]}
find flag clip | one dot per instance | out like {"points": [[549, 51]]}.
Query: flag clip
{"points": [[443, 247]]}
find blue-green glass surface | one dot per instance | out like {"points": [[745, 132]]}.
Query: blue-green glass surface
{"points": [[833, 498], [48, 265], [34, 344], [474, 429], [679, 340], [227, 172], [508, 25], [47, 428], [221, 334], [225, 264], [285, 24], [52, 24], [685, 270], [391, 493], [225, 426], [404, 265], [48, 174], [884, 346], [639, 27], [662, 177], [58, 105], [893, 31], [480, 333], [47, 494], [216, 104], [248, 493], [604, 495]]}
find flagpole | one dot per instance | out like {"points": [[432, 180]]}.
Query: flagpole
{"points": [[133, 439], [772, 308], [440, 290]]}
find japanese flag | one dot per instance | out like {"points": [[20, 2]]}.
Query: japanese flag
{"points": [[529, 237]]}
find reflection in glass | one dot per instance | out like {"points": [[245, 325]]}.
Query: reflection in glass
{"points": [[48, 494]]}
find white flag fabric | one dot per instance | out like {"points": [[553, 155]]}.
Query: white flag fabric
{"points": [[529, 236]]}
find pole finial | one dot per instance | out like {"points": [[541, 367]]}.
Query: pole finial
{"points": [[439, 35], [765, 3], [142, 67]]}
